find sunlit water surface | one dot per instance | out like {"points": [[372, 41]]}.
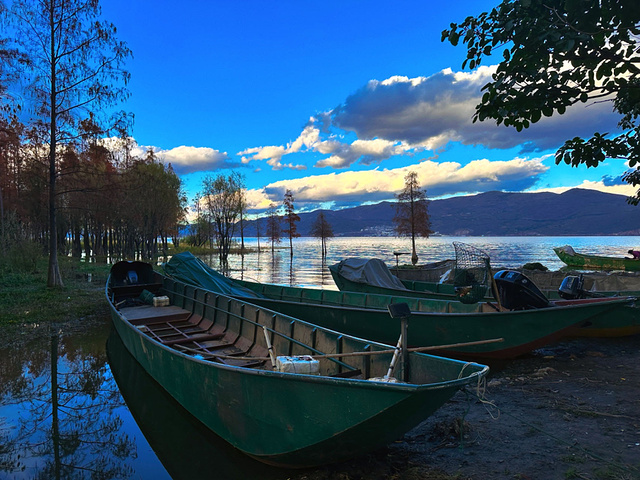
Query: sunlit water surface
{"points": [[73, 407]]}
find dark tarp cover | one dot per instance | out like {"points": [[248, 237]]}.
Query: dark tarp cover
{"points": [[193, 271], [371, 271]]}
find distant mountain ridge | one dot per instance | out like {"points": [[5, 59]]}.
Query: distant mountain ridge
{"points": [[574, 212]]}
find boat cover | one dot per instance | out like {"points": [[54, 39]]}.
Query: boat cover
{"points": [[189, 269], [568, 249], [371, 271]]}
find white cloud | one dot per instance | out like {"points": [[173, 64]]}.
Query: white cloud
{"points": [[432, 111], [619, 189], [274, 153], [183, 159], [376, 185], [194, 159], [405, 116]]}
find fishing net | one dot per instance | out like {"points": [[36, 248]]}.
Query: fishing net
{"points": [[472, 273]]}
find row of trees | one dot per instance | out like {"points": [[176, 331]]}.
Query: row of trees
{"points": [[220, 216], [60, 185], [108, 202]]}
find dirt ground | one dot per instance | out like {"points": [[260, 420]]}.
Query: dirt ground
{"points": [[570, 411]]}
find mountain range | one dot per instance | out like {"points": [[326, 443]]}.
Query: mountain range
{"points": [[575, 212]]}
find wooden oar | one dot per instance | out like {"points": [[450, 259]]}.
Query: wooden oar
{"points": [[349, 354], [269, 347], [396, 352]]}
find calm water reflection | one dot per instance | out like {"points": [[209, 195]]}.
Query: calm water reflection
{"points": [[74, 406], [308, 268]]}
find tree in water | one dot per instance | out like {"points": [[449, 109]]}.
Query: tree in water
{"points": [[290, 219], [243, 209], [273, 226], [75, 64], [258, 232], [558, 54], [412, 216], [223, 200], [322, 229]]}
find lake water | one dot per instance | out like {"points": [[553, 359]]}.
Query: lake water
{"points": [[307, 267], [74, 404]]}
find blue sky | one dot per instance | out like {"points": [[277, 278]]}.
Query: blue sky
{"points": [[334, 100]]}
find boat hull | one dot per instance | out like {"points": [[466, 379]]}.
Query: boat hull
{"points": [[292, 420], [522, 331], [624, 321], [594, 262]]}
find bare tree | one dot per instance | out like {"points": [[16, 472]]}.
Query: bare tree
{"points": [[322, 229], [290, 219], [258, 219], [412, 216], [76, 65], [243, 207], [223, 200], [273, 226]]}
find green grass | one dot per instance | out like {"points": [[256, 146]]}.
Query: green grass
{"points": [[25, 297]]}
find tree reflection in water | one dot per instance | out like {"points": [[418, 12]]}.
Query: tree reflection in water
{"points": [[58, 406]]}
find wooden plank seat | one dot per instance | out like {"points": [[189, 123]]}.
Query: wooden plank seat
{"points": [[206, 353], [148, 314], [203, 337]]}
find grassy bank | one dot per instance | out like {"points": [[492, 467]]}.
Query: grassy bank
{"points": [[25, 297]]}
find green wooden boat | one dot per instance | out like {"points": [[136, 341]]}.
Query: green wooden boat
{"points": [[625, 321], [214, 355], [432, 322], [594, 262], [376, 278]]}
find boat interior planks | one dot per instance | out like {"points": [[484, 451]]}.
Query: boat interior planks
{"points": [[215, 327]]}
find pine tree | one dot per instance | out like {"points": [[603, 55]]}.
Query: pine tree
{"points": [[412, 216], [290, 219]]}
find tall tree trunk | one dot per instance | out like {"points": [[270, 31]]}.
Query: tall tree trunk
{"points": [[76, 249], [54, 278], [2, 238], [87, 242]]}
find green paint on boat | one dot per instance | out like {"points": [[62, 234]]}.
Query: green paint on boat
{"points": [[594, 262], [433, 322], [208, 351]]}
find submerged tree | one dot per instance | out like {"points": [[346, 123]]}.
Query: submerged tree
{"points": [[273, 226], [76, 65], [322, 229], [223, 200], [557, 54], [412, 217], [290, 219]]}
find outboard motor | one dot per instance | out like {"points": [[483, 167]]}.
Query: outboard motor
{"points": [[517, 292], [571, 288]]}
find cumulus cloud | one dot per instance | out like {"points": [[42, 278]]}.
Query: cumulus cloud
{"points": [[367, 152], [406, 116], [274, 153], [183, 159], [195, 159], [432, 111], [448, 178], [601, 186]]}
